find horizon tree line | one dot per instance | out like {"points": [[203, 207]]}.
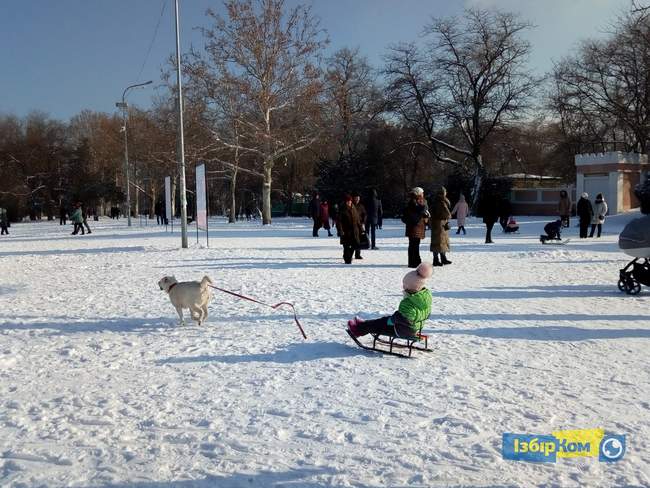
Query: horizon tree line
{"points": [[273, 116]]}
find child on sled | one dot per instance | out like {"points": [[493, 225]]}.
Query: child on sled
{"points": [[512, 226], [413, 310]]}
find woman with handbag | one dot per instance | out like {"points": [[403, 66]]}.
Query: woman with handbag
{"points": [[439, 223], [415, 216], [600, 210]]}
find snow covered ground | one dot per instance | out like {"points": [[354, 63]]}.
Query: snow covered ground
{"points": [[100, 387]]}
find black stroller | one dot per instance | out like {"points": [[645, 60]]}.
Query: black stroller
{"points": [[635, 241]]}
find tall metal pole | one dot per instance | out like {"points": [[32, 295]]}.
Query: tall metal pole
{"points": [[126, 164], [181, 143]]}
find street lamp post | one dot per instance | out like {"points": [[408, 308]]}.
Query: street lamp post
{"points": [[181, 143], [125, 114]]}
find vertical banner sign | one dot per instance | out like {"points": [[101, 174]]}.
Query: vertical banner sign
{"points": [[201, 203], [169, 217]]}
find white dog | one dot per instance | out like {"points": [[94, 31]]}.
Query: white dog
{"points": [[194, 295]]}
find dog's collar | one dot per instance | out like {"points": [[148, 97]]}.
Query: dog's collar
{"points": [[170, 288]]}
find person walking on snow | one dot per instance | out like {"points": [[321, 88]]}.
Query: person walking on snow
{"points": [[412, 313], [363, 215], [461, 211], [600, 210], [84, 217], [415, 216], [490, 212], [585, 213], [314, 212], [374, 212], [77, 219], [4, 222], [325, 216], [63, 213], [348, 227], [439, 222]]}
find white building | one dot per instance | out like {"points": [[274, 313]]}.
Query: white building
{"points": [[614, 174]]}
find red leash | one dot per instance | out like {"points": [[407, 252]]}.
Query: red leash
{"points": [[295, 316]]}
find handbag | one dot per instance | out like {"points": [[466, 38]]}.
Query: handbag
{"points": [[364, 243]]}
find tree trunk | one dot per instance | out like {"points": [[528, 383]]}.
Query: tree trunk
{"points": [[152, 198], [266, 194], [478, 183], [233, 202], [173, 197]]}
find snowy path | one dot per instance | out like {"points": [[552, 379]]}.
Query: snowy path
{"points": [[100, 387]]}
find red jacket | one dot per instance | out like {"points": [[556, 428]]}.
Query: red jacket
{"points": [[324, 212]]}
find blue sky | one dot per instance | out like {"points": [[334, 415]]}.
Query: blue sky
{"points": [[63, 56]]}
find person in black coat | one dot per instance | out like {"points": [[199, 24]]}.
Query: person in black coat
{"points": [[349, 229], [63, 214], [314, 213], [585, 213], [489, 209], [553, 230], [374, 211], [158, 209], [415, 216], [362, 214]]}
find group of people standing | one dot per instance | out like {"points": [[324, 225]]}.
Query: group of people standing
{"points": [[78, 217], [591, 214], [355, 222], [417, 215]]}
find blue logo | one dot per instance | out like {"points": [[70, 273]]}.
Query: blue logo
{"points": [[527, 447], [612, 448], [539, 448]]}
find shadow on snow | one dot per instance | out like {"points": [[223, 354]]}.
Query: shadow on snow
{"points": [[296, 352], [551, 333]]}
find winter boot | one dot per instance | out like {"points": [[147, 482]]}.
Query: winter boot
{"points": [[443, 258], [436, 261], [352, 328]]}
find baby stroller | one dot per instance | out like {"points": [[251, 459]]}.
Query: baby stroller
{"points": [[635, 241]]}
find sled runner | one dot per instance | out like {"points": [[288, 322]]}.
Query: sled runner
{"points": [[545, 240], [394, 342]]}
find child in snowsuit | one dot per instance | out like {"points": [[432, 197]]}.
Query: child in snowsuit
{"points": [[512, 226], [553, 231], [413, 310]]}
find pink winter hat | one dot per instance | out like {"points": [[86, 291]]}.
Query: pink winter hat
{"points": [[417, 279]]}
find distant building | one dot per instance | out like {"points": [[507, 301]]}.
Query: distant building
{"points": [[614, 174], [537, 195]]}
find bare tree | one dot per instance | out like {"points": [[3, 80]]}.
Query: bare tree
{"points": [[268, 55], [470, 79], [603, 92], [352, 98]]}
